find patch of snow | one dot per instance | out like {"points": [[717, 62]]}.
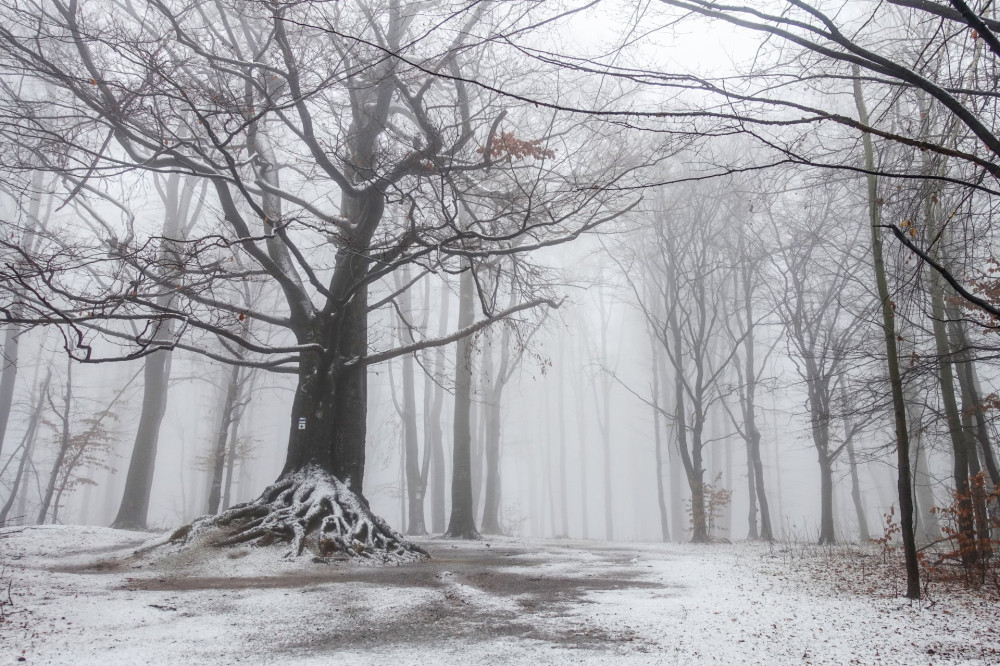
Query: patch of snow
{"points": [[82, 596]]}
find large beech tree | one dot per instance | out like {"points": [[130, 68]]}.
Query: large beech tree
{"points": [[335, 140]]}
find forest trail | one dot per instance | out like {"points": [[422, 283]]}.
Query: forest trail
{"points": [[80, 596]]}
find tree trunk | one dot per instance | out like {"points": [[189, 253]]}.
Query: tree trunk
{"points": [[139, 479], [658, 447], [972, 404], [827, 534], [27, 444], [755, 471], [231, 453], [904, 484], [493, 494], [691, 459], [929, 529], [12, 333], [415, 483], [752, 532], [957, 432], [462, 524], [132, 511], [433, 434], [603, 404], [582, 435], [8, 375], [63, 445], [859, 508], [563, 492], [222, 438], [415, 480]]}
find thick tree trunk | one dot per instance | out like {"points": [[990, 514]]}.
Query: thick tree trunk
{"points": [[462, 524], [350, 409], [139, 479]]}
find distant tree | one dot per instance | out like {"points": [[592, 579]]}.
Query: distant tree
{"points": [[822, 330], [687, 303]]}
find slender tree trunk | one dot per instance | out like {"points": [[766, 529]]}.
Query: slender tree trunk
{"points": [[63, 445], [462, 524], [930, 530], [956, 430], [434, 436], [582, 434], [604, 421], [231, 453], [222, 438], [491, 500], [563, 492], [859, 507], [27, 444], [691, 458], [827, 535], [658, 447], [755, 472], [904, 484], [415, 488], [819, 407], [415, 481], [852, 461]]}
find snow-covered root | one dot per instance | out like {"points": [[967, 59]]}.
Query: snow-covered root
{"points": [[312, 511]]}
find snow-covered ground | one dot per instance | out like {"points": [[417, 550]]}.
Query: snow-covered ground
{"points": [[78, 595]]}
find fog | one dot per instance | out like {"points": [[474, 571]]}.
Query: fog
{"points": [[638, 242]]}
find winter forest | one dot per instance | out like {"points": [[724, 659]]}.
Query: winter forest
{"points": [[499, 330]]}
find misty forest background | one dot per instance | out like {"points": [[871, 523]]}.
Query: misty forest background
{"points": [[659, 271]]}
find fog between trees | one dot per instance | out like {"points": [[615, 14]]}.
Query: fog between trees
{"points": [[339, 272]]}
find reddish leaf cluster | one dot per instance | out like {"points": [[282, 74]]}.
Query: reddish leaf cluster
{"points": [[509, 146]]}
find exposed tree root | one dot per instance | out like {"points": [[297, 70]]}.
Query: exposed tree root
{"points": [[310, 510]]}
